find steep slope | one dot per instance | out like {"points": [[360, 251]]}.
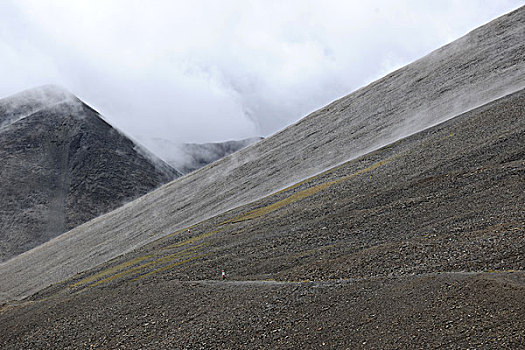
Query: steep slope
{"points": [[188, 157], [62, 165], [416, 245], [487, 63]]}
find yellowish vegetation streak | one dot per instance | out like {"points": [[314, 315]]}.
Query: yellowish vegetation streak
{"points": [[365, 170], [308, 180], [303, 194], [277, 205], [123, 269], [193, 239], [141, 267], [168, 267], [110, 271], [502, 271], [299, 183], [159, 261]]}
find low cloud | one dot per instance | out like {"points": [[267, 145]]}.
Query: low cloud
{"points": [[224, 70]]}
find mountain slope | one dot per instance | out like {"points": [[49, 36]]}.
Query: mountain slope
{"points": [[416, 245], [188, 157], [487, 63], [62, 165]]}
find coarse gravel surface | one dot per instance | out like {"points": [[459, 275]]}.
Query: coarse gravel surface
{"points": [[448, 311], [480, 67], [417, 245]]}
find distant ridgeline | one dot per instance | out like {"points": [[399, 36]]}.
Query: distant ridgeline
{"points": [[188, 157]]}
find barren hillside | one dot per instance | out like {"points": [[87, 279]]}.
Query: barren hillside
{"points": [[416, 245], [485, 64]]}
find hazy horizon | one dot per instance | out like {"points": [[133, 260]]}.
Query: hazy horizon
{"points": [[212, 72]]}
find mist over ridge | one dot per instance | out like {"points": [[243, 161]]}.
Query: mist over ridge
{"points": [[208, 72], [188, 157], [62, 165], [486, 64]]}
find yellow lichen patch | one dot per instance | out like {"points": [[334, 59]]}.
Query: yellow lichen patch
{"points": [[141, 267], [110, 271], [365, 170], [193, 239], [277, 205], [302, 194], [502, 271], [159, 261], [164, 268], [300, 183], [238, 232], [307, 180]]}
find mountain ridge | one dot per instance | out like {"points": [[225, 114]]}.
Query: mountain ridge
{"points": [[188, 157], [62, 165], [485, 64], [417, 244]]}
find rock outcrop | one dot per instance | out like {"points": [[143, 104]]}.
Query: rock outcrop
{"points": [[62, 165]]}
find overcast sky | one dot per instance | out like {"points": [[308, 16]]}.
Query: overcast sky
{"points": [[202, 71]]}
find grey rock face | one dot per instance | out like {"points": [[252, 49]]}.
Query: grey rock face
{"points": [[485, 64], [62, 165], [188, 157]]}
